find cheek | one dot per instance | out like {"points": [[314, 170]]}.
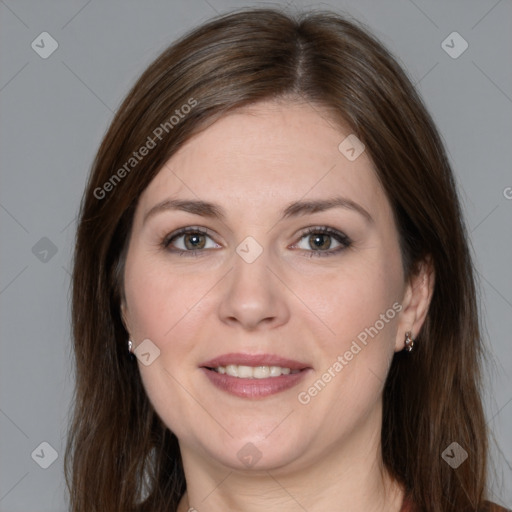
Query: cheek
{"points": [[354, 297], [360, 305], [165, 307], [159, 297]]}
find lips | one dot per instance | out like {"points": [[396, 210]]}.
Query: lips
{"points": [[254, 376], [254, 360]]}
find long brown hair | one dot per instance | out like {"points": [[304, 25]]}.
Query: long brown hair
{"points": [[120, 454]]}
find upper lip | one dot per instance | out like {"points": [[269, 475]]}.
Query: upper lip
{"points": [[254, 360]]}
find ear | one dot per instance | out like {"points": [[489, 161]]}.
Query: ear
{"points": [[124, 315], [416, 301]]}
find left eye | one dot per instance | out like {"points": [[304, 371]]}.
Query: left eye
{"points": [[190, 241], [323, 240]]}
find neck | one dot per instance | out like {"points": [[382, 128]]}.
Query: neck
{"points": [[349, 477]]}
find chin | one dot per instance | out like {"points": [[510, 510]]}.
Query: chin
{"points": [[256, 453]]}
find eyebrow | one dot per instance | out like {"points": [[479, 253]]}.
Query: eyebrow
{"points": [[295, 209]]}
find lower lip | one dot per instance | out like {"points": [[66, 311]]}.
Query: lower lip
{"points": [[254, 388]]}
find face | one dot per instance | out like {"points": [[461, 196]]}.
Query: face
{"points": [[275, 315]]}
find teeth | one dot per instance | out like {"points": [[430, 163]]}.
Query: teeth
{"points": [[275, 371], [253, 372], [232, 369], [261, 372], [243, 372]]}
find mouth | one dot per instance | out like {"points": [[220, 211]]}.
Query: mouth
{"points": [[254, 376], [253, 372]]}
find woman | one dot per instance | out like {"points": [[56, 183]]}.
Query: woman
{"points": [[271, 234]]}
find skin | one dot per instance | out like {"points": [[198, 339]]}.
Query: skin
{"points": [[323, 455]]}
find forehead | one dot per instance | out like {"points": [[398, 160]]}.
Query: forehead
{"points": [[264, 155]]}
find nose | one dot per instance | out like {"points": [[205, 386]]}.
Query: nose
{"points": [[253, 297]]}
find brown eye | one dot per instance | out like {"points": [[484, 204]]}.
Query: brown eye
{"points": [[323, 241], [320, 241], [189, 240], [194, 241]]}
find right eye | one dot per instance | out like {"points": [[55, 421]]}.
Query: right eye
{"points": [[189, 240]]}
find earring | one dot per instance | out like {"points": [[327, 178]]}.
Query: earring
{"points": [[131, 354], [409, 342]]}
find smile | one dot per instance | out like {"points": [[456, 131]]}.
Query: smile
{"points": [[254, 376], [253, 372]]}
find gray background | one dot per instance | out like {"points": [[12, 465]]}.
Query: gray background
{"points": [[56, 110]]}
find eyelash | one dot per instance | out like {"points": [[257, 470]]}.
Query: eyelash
{"points": [[340, 237]]}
